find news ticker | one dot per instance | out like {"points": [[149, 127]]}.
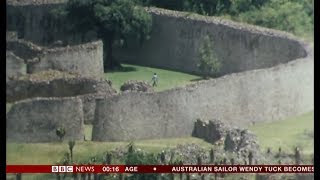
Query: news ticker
{"points": [[160, 169]]}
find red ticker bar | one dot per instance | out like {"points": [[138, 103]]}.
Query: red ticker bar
{"points": [[160, 169]]}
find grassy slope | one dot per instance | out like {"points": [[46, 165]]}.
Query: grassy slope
{"points": [[286, 134], [48, 153], [167, 79]]}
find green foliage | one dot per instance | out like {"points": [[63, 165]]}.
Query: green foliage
{"points": [[60, 132], [209, 63], [207, 7], [112, 19], [135, 156], [282, 15], [295, 16], [71, 145]]}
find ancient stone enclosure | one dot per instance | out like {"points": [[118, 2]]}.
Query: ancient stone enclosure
{"points": [[266, 75]]}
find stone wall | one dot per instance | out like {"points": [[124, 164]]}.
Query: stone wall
{"points": [[11, 35], [177, 36], [36, 120], [237, 99], [32, 21], [85, 59], [24, 49], [175, 39], [15, 66], [19, 89]]}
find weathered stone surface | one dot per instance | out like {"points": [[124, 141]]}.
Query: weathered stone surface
{"points": [[136, 86], [36, 120], [15, 66], [32, 21], [85, 59], [237, 140], [24, 49], [211, 131], [175, 39], [258, 95], [54, 84], [34, 2], [11, 35], [177, 36], [89, 104], [237, 99]]}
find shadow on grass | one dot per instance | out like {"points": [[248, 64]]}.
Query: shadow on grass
{"points": [[198, 79], [121, 69]]}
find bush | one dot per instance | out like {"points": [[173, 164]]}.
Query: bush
{"points": [[283, 15], [209, 63]]}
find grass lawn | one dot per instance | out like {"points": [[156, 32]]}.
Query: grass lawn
{"points": [[48, 153], [167, 79], [287, 134]]}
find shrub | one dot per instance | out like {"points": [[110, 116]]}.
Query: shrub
{"points": [[60, 132], [209, 63]]}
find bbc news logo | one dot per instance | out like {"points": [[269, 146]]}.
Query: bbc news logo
{"points": [[62, 169]]}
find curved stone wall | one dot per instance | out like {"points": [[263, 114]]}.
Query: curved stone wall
{"points": [[85, 59], [177, 36], [36, 120], [237, 99], [175, 39], [15, 66], [273, 73], [19, 89]]}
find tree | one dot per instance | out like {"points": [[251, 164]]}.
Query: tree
{"points": [[60, 132], [286, 15], [209, 63], [71, 145], [112, 20]]}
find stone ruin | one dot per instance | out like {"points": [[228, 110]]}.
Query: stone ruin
{"points": [[211, 131], [54, 83], [85, 59], [269, 74], [37, 119], [15, 66], [57, 83], [233, 139], [136, 86]]}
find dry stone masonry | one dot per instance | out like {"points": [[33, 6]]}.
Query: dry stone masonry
{"points": [[177, 36], [15, 66], [136, 86], [36, 120], [238, 99], [265, 75], [54, 84], [211, 131], [85, 59]]}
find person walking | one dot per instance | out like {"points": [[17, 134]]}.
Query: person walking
{"points": [[155, 80]]}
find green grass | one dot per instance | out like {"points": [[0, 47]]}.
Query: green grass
{"points": [[48, 153], [167, 79], [286, 134]]}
